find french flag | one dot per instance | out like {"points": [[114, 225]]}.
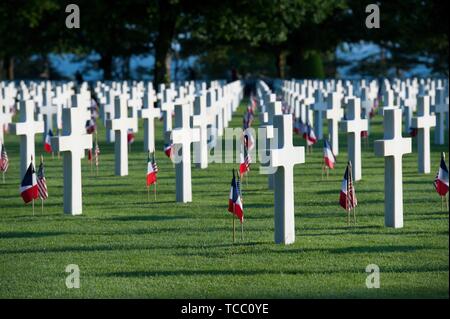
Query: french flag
{"points": [[48, 143], [328, 155], [441, 180], [309, 135], [235, 202], [29, 187], [168, 150]]}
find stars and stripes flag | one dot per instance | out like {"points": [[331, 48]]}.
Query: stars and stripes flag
{"points": [[235, 205], [29, 187], [309, 135], [4, 161], [441, 180], [245, 161], [328, 155], [48, 141], [130, 136], [152, 170], [347, 198], [41, 182]]}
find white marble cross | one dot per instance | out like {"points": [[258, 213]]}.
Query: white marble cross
{"points": [[319, 107], [49, 111], [200, 120], [334, 115], [409, 106], [393, 147], [440, 109], [354, 125], [273, 108], [388, 101], [423, 122], [183, 136], [26, 128], [167, 108], [282, 161], [72, 143], [121, 124], [149, 112]]}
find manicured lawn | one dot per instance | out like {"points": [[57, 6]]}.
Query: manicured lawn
{"points": [[127, 246]]}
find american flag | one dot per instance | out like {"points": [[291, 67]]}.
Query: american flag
{"points": [[90, 126], [41, 183], [3, 160], [244, 166], [347, 196], [155, 166]]}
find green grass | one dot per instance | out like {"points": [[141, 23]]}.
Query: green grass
{"points": [[127, 246]]}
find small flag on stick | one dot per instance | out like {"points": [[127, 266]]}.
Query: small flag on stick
{"points": [[441, 181], [235, 205], [29, 188], [42, 184], [4, 161], [347, 197]]}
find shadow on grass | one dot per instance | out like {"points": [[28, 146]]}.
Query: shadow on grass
{"points": [[257, 272], [9, 235], [152, 218]]}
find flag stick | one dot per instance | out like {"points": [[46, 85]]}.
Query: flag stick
{"points": [[42, 206], [53, 155], [154, 190], [234, 229], [3, 177], [33, 205], [442, 203], [148, 193], [446, 201], [354, 215], [242, 230], [348, 217]]}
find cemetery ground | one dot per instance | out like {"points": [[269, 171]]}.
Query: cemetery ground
{"points": [[128, 246]]}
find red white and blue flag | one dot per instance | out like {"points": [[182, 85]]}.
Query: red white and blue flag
{"points": [[4, 161], [90, 126], [235, 205], [152, 170], [441, 180], [249, 140], [347, 198], [48, 141], [328, 155], [309, 135], [245, 161], [42, 183], [168, 150], [29, 187], [130, 136]]}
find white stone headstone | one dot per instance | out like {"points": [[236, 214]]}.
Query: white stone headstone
{"points": [[334, 115], [440, 109], [393, 147], [26, 128], [72, 143], [282, 160], [423, 122], [149, 112], [183, 136], [120, 125], [200, 121], [353, 126], [319, 107]]}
